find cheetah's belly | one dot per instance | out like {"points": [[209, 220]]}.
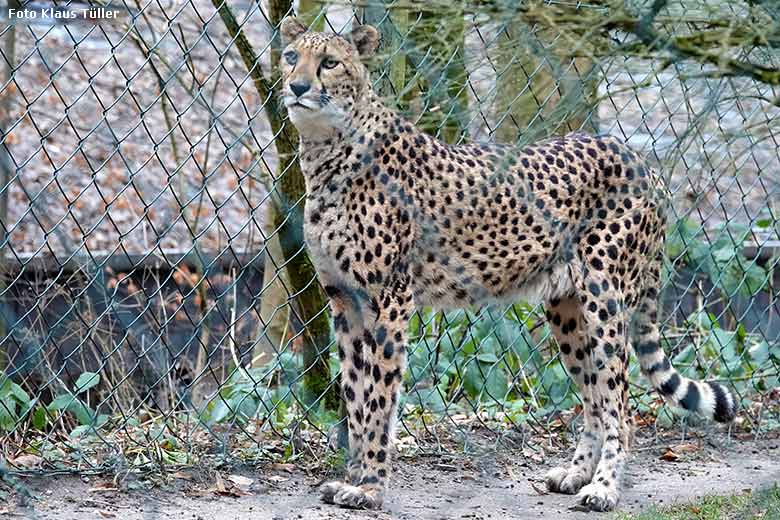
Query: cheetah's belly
{"points": [[442, 287]]}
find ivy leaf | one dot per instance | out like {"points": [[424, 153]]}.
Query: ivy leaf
{"points": [[19, 394], [756, 278], [685, 358], [760, 353], [83, 429], [472, 380], [726, 342], [680, 236], [488, 358], [429, 399], [220, 412], [71, 403], [39, 418], [246, 406], [86, 381], [558, 386], [496, 383], [485, 380], [7, 414]]}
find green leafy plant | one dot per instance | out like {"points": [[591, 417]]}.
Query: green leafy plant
{"points": [[718, 255], [256, 392], [489, 361], [15, 404], [70, 403]]}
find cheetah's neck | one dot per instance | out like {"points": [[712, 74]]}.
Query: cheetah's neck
{"points": [[370, 120]]}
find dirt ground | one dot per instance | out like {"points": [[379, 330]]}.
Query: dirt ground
{"points": [[492, 485]]}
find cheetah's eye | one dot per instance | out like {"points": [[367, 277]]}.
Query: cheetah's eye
{"points": [[291, 57], [329, 63]]}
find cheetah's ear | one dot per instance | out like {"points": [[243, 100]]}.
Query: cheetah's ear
{"points": [[365, 38], [290, 29]]}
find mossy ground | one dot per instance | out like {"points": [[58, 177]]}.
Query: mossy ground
{"points": [[760, 505]]}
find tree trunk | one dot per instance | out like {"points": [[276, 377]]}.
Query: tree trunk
{"points": [[309, 11], [274, 319], [310, 302], [539, 96], [274, 313], [431, 54], [389, 77], [444, 104]]}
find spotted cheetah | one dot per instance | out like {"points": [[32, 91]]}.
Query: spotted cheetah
{"points": [[395, 219]]}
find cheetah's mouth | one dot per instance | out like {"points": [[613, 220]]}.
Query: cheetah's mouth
{"points": [[297, 103]]}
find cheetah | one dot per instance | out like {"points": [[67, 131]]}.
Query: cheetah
{"points": [[395, 219]]}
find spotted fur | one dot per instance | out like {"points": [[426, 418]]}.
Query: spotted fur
{"points": [[397, 219]]}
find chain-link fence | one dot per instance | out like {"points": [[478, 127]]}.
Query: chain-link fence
{"points": [[157, 303]]}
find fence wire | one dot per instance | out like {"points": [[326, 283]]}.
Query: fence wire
{"points": [[157, 303]]}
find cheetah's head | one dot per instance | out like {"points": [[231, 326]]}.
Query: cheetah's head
{"points": [[323, 77]]}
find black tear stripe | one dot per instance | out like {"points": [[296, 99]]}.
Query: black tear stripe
{"points": [[724, 412], [692, 399]]}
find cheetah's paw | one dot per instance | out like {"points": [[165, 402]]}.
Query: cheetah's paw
{"points": [[329, 489], [565, 480], [598, 497], [347, 495]]}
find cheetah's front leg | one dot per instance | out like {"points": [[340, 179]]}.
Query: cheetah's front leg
{"points": [[348, 325], [374, 409]]}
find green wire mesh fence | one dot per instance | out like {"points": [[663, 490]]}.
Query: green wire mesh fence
{"points": [[156, 302]]}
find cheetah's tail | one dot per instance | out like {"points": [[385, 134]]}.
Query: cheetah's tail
{"points": [[707, 399]]}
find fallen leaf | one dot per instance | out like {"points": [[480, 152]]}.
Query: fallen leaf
{"points": [[199, 493], [27, 460], [240, 481], [283, 466], [644, 420], [227, 489], [219, 485], [278, 478], [670, 456], [181, 475], [685, 448], [533, 455]]}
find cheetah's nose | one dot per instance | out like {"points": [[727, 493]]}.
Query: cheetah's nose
{"points": [[300, 89]]}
